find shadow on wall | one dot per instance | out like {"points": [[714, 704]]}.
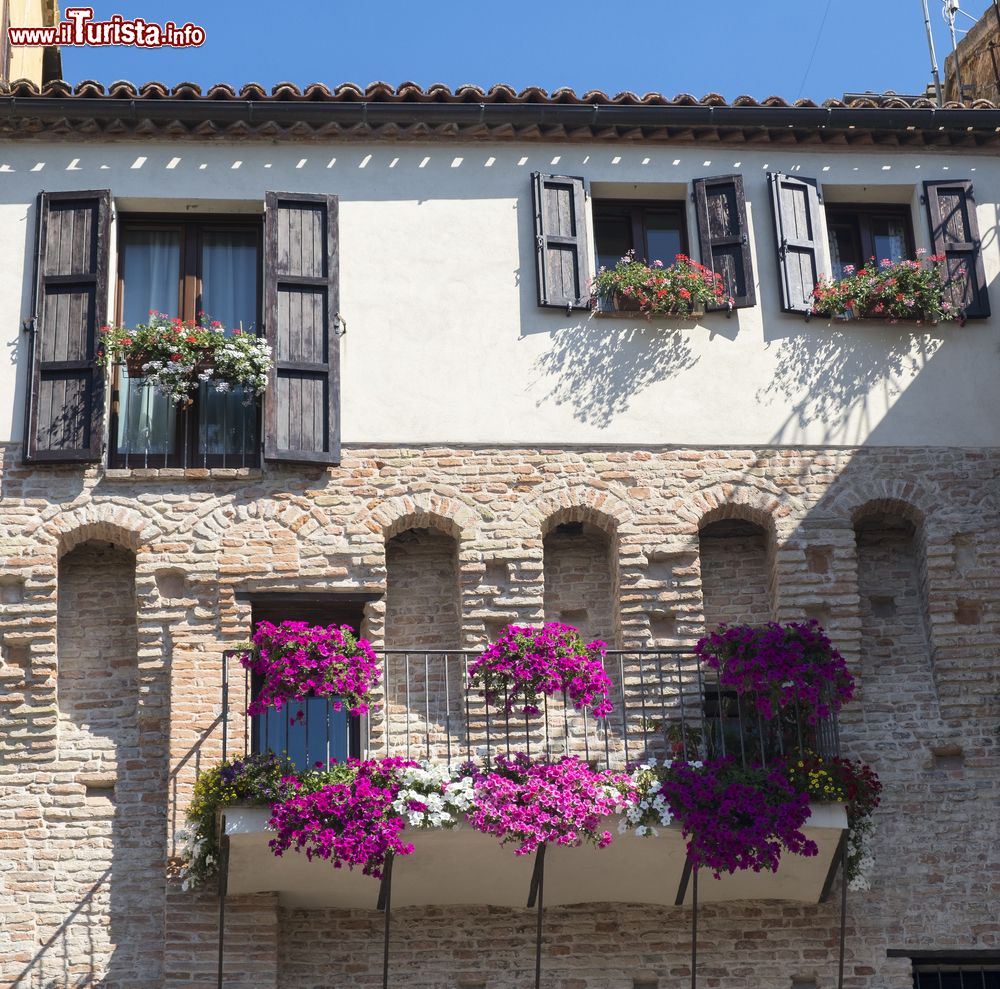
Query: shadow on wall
{"points": [[827, 374], [599, 369], [105, 813]]}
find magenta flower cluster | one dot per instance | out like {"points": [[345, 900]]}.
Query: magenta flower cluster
{"points": [[780, 666], [534, 803], [296, 661], [527, 662], [737, 818], [350, 823]]}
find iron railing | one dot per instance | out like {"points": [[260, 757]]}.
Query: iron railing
{"points": [[666, 705], [151, 432]]}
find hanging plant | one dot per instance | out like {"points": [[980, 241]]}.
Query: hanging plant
{"points": [[255, 779], [176, 356], [780, 666], [532, 803], [527, 662], [350, 822], [296, 660], [854, 784], [736, 818]]}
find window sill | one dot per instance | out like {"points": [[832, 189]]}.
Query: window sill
{"points": [[915, 321], [635, 314], [185, 473]]}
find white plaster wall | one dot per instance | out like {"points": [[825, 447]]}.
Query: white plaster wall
{"points": [[445, 341]]}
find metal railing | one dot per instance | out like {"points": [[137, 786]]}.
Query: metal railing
{"points": [[666, 705], [214, 431]]}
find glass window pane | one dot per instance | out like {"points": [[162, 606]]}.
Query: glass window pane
{"points": [[151, 280], [227, 423], [844, 249], [889, 235], [613, 238], [309, 732], [663, 237]]}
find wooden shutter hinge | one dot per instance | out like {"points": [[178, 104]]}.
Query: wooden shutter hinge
{"points": [[28, 324], [341, 324]]}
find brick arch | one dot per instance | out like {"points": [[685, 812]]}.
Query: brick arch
{"points": [[297, 515], [116, 524], [424, 511], [578, 503], [760, 506], [889, 506], [860, 496]]}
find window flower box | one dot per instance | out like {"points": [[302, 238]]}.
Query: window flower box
{"points": [[682, 290], [903, 291], [175, 356]]}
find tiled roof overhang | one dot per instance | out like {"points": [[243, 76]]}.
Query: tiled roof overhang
{"points": [[381, 112]]}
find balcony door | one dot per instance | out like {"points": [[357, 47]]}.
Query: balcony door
{"points": [[187, 267], [310, 731]]}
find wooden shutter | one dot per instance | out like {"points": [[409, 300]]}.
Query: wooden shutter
{"points": [[951, 210], [561, 241], [724, 235], [64, 415], [301, 301], [795, 205]]}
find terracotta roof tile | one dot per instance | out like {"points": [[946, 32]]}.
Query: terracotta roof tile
{"points": [[319, 112]]}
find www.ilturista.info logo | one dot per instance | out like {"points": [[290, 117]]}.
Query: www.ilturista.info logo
{"points": [[80, 28]]}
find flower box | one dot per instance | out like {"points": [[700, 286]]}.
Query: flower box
{"points": [[681, 290], [910, 291], [624, 307], [176, 357]]}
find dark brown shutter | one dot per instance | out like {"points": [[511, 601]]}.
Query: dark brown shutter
{"points": [[724, 235], [64, 415], [561, 241], [301, 301], [951, 210], [795, 205]]}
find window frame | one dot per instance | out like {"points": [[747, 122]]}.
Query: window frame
{"points": [[862, 216], [637, 207], [189, 303]]}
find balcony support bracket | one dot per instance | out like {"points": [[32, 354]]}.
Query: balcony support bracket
{"points": [[536, 898], [694, 928], [385, 905], [223, 890]]}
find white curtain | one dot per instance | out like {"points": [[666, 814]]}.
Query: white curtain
{"points": [[151, 270], [229, 295]]}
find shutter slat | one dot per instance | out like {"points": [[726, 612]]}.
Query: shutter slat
{"points": [[724, 235], [795, 209], [951, 211], [64, 417], [301, 301], [563, 273]]}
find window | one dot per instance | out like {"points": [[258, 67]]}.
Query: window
{"points": [[955, 976], [184, 267], [857, 233], [181, 265], [309, 731], [656, 231]]}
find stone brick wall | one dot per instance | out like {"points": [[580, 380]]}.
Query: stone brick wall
{"points": [[579, 583], [204, 544], [735, 573]]}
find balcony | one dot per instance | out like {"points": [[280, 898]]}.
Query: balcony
{"points": [[666, 706]]}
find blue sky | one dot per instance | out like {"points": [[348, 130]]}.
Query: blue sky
{"points": [[812, 48]]}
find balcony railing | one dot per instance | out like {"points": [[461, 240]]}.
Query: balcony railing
{"points": [[666, 705]]}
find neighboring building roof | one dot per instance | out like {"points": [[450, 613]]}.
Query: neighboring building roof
{"points": [[468, 112]]}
